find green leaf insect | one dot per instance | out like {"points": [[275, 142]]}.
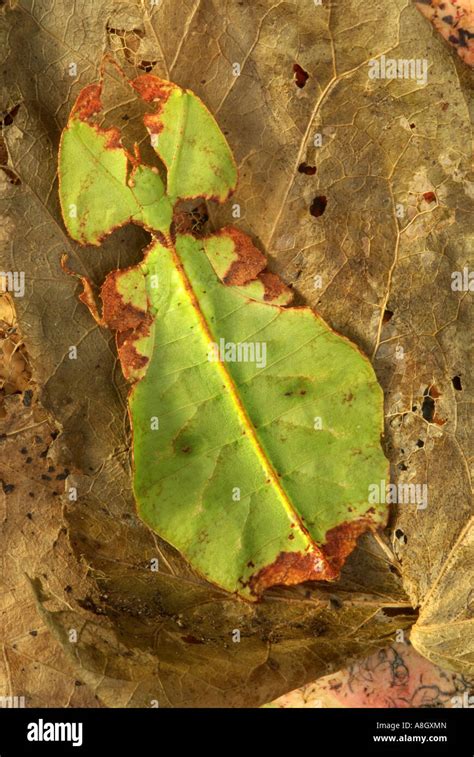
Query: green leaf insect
{"points": [[256, 427]]}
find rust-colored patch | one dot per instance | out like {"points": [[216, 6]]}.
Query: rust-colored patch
{"points": [[119, 315], [341, 540], [129, 323], [131, 360], [293, 568], [434, 392], [113, 138], [322, 564], [151, 88], [153, 122], [250, 260], [429, 196], [154, 90], [88, 103], [274, 287]]}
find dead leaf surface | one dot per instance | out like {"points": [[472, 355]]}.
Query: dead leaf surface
{"points": [[385, 282]]}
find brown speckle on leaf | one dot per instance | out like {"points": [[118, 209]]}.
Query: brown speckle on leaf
{"points": [[88, 103], [250, 260], [129, 322], [274, 287]]}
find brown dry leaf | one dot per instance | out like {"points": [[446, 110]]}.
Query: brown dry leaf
{"points": [[33, 664], [385, 283], [444, 632]]}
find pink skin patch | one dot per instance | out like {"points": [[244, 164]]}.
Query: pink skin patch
{"points": [[394, 677], [454, 20]]}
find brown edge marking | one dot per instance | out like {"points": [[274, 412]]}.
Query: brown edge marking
{"points": [[129, 323], [291, 568], [154, 90], [274, 288], [250, 260], [324, 563], [87, 295], [250, 266], [341, 541], [88, 105]]}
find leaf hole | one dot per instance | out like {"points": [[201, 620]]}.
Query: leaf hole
{"points": [[318, 206], [307, 169], [430, 394], [393, 612], [457, 383], [388, 314], [147, 65], [8, 117], [300, 75]]}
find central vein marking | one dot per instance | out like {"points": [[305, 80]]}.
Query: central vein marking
{"points": [[241, 411]]}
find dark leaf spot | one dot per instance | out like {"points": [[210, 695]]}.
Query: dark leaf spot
{"points": [[301, 76], [428, 408], [318, 206], [307, 169], [400, 535], [7, 119], [189, 639]]}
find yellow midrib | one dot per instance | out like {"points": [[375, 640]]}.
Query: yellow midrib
{"points": [[239, 407]]}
